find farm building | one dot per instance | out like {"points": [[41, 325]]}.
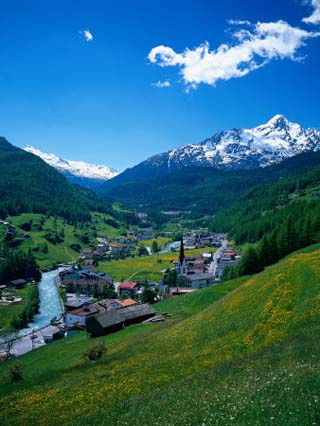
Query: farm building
{"points": [[111, 321]]}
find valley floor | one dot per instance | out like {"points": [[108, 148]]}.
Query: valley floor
{"points": [[246, 352]]}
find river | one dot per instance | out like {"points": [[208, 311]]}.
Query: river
{"points": [[50, 306]]}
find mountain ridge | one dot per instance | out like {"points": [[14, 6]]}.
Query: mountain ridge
{"points": [[30, 185], [243, 148], [79, 172]]}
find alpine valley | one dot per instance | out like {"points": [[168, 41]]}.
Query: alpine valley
{"points": [[206, 177], [160, 214]]}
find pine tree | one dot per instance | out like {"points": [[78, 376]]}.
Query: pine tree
{"points": [[249, 263]]}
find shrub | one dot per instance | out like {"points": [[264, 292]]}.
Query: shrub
{"points": [[94, 352], [15, 372]]}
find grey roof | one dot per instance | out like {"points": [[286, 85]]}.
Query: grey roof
{"points": [[77, 302], [18, 281], [109, 318], [197, 277]]}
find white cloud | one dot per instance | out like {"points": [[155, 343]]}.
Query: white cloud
{"points": [[314, 18], [161, 84], [87, 35], [238, 22], [254, 48]]}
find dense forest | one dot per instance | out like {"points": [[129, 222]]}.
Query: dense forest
{"points": [[277, 219], [202, 190], [268, 206], [18, 264], [28, 184]]}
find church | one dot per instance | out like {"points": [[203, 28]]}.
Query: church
{"points": [[188, 276]]}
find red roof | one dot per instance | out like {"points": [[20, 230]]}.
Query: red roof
{"points": [[128, 285], [127, 302]]}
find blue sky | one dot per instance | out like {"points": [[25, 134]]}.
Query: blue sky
{"points": [[97, 100]]}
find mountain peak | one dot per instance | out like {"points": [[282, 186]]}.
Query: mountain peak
{"points": [[245, 148], [75, 168], [278, 120]]}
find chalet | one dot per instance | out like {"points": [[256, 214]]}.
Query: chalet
{"points": [[115, 249], [87, 252], [197, 280], [84, 279], [128, 288], [110, 321], [80, 316], [76, 302]]}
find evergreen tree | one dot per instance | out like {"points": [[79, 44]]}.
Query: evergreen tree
{"points": [[249, 263]]}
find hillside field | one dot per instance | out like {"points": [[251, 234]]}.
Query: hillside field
{"points": [[246, 352], [145, 267], [61, 252]]}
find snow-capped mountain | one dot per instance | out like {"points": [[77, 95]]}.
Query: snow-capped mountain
{"points": [[261, 146], [247, 148], [76, 171]]}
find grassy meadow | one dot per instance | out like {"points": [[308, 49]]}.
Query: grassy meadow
{"points": [[9, 312], [144, 267], [61, 252], [246, 352]]}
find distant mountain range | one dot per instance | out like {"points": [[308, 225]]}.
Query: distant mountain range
{"points": [[234, 149], [85, 174], [261, 146]]}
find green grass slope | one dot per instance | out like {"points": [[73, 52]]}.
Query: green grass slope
{"points": [[145, 267], [245, 352], [49, 254]]}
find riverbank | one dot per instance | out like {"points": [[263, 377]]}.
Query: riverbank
{"points": [[50, 306]]}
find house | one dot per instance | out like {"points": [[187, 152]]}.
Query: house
{"points": [[110, 304], [127, 302], [197, 280], [76, 302], [80, 316], [110, 321], [51, 333], [18, 283], [128, 288], [84, 279]]}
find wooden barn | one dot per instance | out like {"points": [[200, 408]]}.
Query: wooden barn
{"points": [[110, 321]]}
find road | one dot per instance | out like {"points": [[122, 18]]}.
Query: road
{"points": [[214, 264], [26, 344]]}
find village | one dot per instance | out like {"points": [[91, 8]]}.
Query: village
{"points": [[93, 301], [97, 304]]}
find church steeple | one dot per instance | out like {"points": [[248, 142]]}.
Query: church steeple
{"points": [[181, 256], [182, 265]]}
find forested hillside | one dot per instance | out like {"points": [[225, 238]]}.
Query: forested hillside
{"points": [[279, 217], [202, 190], [28, 184]]}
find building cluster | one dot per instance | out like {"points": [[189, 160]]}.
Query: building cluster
{"points": [[200, 239], [194, 272], [86, 281], [122, 246], [227, 257], [85, 299], [104, 316], [201, 272]]}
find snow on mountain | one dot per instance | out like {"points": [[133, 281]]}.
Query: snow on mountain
{"points": [[245, 148], [78, 169]]}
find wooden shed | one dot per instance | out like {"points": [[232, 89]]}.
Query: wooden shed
{"points": [[110, 321]]}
